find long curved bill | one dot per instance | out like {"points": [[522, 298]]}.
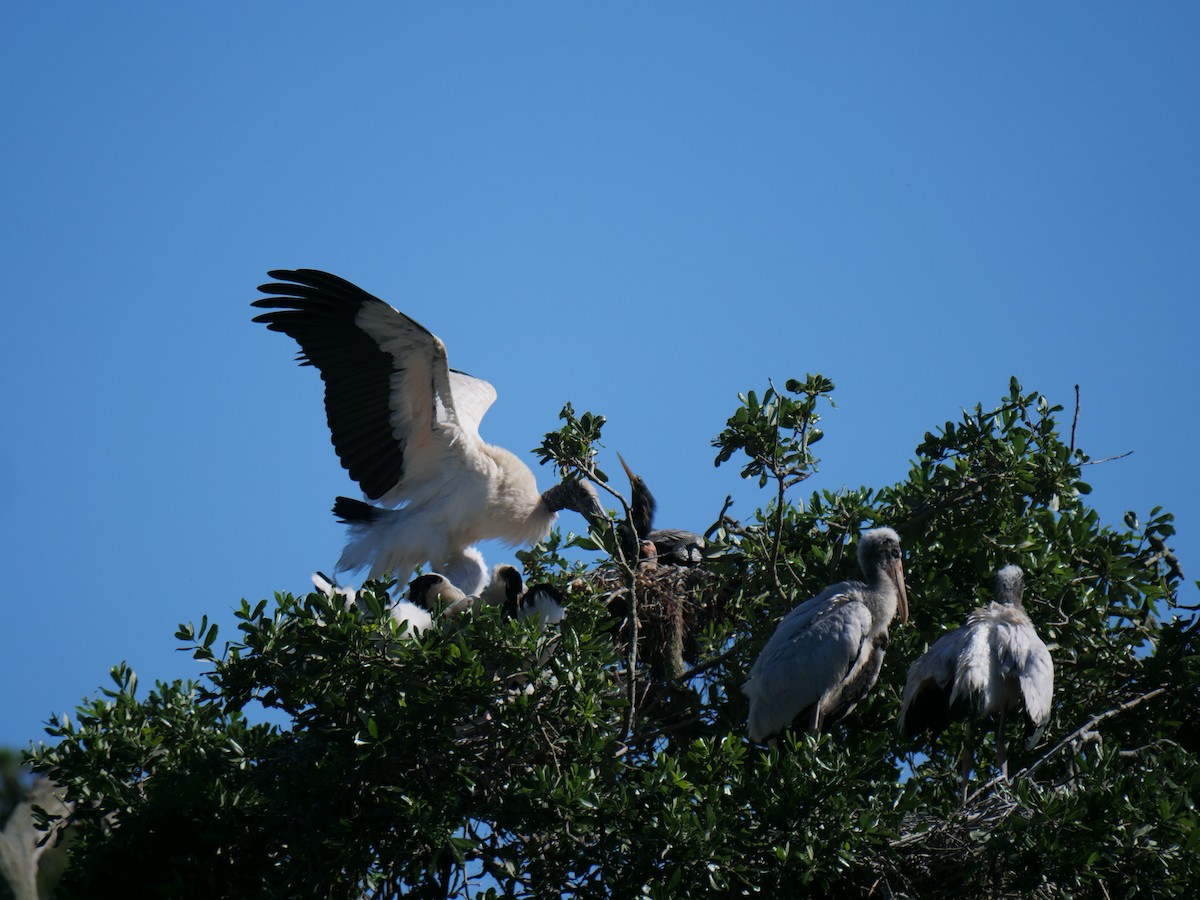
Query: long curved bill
{"points": [[625, 466], [896, 571]]}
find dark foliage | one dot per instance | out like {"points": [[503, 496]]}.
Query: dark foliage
{"points": [[489, 757]]}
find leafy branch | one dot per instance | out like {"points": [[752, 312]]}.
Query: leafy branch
{"points": [[776, 433]]}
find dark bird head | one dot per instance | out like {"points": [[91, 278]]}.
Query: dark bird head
{"points": [[1010, 585], [546, 602], [578, 496], [504, 589], [434, 592], [880, 559]]}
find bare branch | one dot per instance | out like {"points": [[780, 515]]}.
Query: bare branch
{"points": [[1096, 462], [1075, 420], [1088, 726]]}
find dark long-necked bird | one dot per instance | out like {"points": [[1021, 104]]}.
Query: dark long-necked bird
{"points": [[988, 667], [671, 546], [406, 427], [825, 655]]}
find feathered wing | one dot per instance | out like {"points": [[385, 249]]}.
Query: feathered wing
{"points": [[811, 651], [391, 400], [926, 701], [677, 546], [1024, 656]]}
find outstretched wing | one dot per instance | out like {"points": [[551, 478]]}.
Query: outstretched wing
{"points": [[390, 396]]}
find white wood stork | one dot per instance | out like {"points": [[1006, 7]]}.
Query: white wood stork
{"points": [[670, 546], [406, 427], [544, 601], [826, 653], [987, 667]]}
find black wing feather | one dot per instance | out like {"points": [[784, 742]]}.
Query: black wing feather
{"points": [[318, 311]]}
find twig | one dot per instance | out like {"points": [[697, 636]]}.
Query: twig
{"points": [[1065, 742], [633, 650], [1096, 462], [708, 663], [1088, 725], [1075, 420], [721, 521]]}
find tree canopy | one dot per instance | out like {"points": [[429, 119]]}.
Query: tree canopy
{"points": [[607, 757]]}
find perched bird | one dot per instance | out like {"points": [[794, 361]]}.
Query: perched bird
{"points": [[436, 592], [668, 546], [544, 602], [826, 653], [987, 667], [406, 427], [505, 587], [330, 588], [417, 617]]}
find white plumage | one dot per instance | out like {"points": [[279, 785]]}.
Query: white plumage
{"points": [[989, 666], [406, 427], [415, 618], [331, 589], [505, 587], [545, 603], [826, 653], [437, 594]]}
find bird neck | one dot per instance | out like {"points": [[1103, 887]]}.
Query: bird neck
{"points": [[882, 599]]}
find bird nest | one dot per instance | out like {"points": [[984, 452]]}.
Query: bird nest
{"points": [[674, 605], [937, 849]]}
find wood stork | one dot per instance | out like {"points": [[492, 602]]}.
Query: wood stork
{"points": [[987, 667], [543, 602], [330, 588], [415, 618], [402, 611], [826, 653], [505, 587], [669, 546], [436, 592], [406, 427]]}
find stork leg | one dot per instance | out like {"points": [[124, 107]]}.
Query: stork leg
{"points": [[466, 570], [1001, 755], [965, 760]]}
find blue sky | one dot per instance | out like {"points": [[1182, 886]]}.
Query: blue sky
{"points": [[639, 208]]}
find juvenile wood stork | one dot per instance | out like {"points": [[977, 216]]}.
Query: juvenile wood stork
{"points": [[330, 588], [544, 602], [406, 427], [436, 592], [985, 668], [505, 587], [826, 653], [669, 546], [417, 617]]}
